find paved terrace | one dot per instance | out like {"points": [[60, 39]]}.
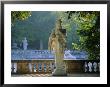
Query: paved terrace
{"points": [[50, 75], [46, 54]]}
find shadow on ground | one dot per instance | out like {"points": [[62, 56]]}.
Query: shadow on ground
{"points": [[50, 75]]}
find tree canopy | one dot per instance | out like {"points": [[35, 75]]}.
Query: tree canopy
{"points": [[19, 15], [88, 24]]}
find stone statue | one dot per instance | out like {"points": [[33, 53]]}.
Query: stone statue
{"points": [[86, 66], [51, 43], [57, 43], [25, 44]]}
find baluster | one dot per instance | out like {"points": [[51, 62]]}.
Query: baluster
{"points": [[45, 68], [37, 67], [50, 67], [95, 66], [90, 66], [30, 67], [15, 66], [34, 67], [42, 67], [85, 66], [12, 67]]}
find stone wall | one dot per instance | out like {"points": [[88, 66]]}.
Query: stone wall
{"points": [[74, 66]]}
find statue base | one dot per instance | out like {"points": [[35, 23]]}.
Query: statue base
{"points": [[59, 72]]}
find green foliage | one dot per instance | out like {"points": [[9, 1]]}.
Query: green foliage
{"points": [[19, 15], [70, 26], [66, 24], [88, 23], [76, 46]]}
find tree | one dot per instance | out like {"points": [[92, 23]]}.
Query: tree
{"points": [[70, 27], [88, 23], [19, 15]]}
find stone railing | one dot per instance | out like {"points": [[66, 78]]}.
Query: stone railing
{"points": [[92, 66], [32, 67], [47, 66]]}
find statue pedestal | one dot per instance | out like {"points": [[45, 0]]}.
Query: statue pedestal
{"points": [[60, 67], [59, 71], [59, 61]]}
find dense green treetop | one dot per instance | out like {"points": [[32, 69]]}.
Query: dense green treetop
{"points": [[88, 24], [19, 15]]}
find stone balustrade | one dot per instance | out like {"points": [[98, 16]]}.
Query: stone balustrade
{"points": [[32, 67], [47, 66]]}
